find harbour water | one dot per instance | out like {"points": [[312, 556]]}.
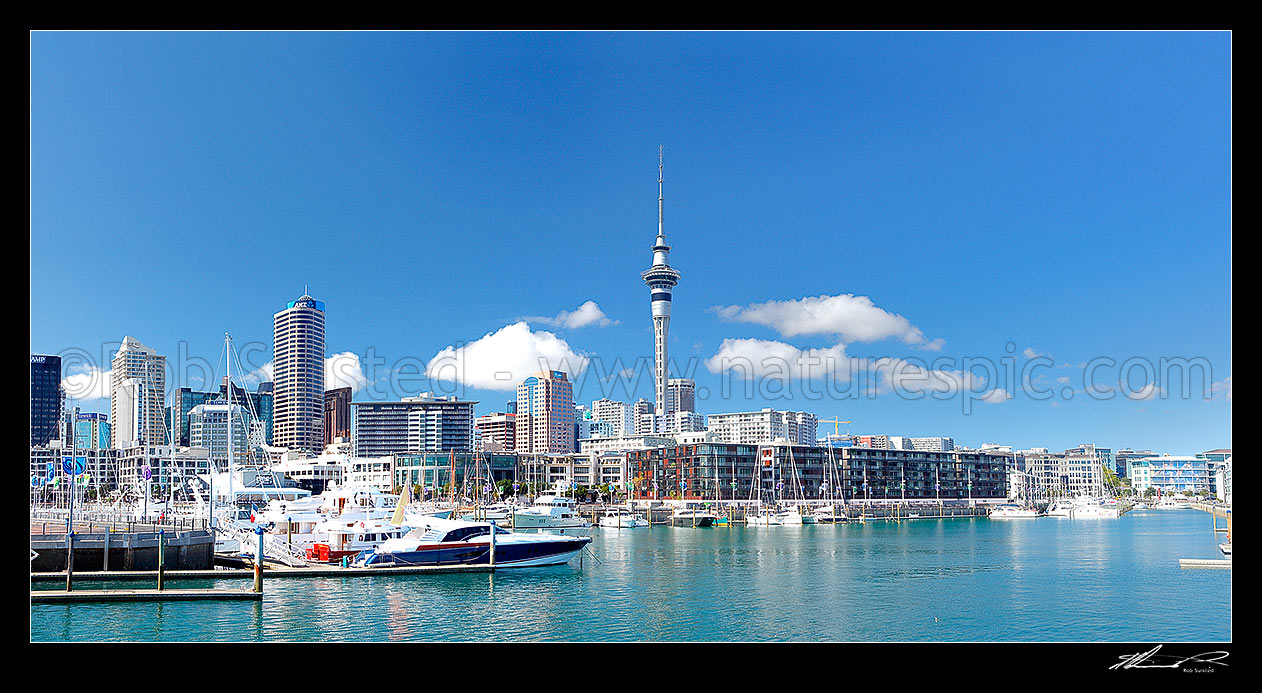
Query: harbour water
{"points": [[955, 580]]}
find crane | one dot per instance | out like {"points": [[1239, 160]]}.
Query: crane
{"points": [[836, 424]]}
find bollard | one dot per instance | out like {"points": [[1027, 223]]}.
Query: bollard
{"points": [[161, 556], [105, 565], [69, 559], [492, 545]]}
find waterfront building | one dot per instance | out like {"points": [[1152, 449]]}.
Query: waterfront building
{"points": [[681, 394], [164, 468], [337, 414], [1172, 474], [208, 428], [545, 413], [765, 426], [872, 441], [100, 465], [661, 279], [1122, 460], [435, 470], [298, 373], [46, 398], [413, 424], [495, 432], [1222, 481], [1216, 458], [1075, 472], [137, 390]]}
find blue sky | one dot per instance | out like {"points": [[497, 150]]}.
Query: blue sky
{"points": [[884, 199]]}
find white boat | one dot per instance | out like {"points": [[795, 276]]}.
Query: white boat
{"points": [[1091, 508], [790, 516], [827, 515], [763, 517], [550, 513], [691, 517], [1061, 508], [460, 542], [1171, 504], [1012, 510], [1225, 548], [622, 519]]}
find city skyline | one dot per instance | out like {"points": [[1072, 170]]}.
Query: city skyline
{"points": [[891, 270]]}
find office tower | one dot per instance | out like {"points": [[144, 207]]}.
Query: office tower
{"points": [[425, 423], [496, 432], [337, 414], [46, 398], [137, 393], [545, 413], [681, 394], [298, 375]]}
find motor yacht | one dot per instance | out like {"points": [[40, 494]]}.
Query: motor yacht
{"points": [[461, 542]]}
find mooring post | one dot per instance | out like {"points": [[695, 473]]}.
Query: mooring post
{"points": [[69, 559], [161, 556], [105, 563], [258, 563], [492, 544]]}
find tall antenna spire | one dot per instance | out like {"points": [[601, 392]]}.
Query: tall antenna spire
{"points": [[660, 232]]}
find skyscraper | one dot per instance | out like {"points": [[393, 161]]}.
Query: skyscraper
{"points": [[545, 413], [337, 414], [661, 279], [137, 390], [298, 375], [45, 398]]}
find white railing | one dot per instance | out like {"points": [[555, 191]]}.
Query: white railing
{"points": [[281, 551]]}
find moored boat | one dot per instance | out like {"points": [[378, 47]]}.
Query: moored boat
{"points": [[1012, 510], [461, 542]]}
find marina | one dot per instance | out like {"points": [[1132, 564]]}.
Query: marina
{"points": [[886, 581]]}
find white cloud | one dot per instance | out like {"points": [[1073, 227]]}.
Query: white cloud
{"points": [[587, 314], [1222, 387], [849, 317], [1030, 353], [87, 384], [762, 358], [1063, 380], [996, 396], [502, 359], [1149, 391], [898, 375], [342, 370]]}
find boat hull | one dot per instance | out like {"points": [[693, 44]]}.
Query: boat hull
{"points": [[691, 522], [507, 555]]}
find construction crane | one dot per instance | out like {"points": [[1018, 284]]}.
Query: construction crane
{"points": [[836, 424]]}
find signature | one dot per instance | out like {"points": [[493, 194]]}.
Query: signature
{"points": [[1152, 660]]}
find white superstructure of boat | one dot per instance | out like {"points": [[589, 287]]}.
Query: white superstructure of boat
{"points": [[1012, 511]]}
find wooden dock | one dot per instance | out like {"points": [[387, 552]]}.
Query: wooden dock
{"points": [[1205, 563], [148, 595], [269, 572]]}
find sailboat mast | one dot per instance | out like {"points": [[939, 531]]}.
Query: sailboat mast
{"points": [[228, 358]]}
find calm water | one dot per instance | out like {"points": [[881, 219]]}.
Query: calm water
{"points": [[1041, 580]]}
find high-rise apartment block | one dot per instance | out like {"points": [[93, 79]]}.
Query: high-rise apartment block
{"points": [[137, 391]]}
